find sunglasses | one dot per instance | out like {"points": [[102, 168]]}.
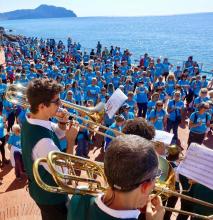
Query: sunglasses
{"points": [[159, 105], [154, 177], [57, 101]]}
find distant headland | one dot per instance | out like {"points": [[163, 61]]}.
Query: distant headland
{"points": [[43, 11]]}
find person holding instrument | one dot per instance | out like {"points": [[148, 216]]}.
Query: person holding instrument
{"points": [[131, 167], [39, 136]]}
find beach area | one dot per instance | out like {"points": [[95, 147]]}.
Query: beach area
{"points": [[90, 76]]}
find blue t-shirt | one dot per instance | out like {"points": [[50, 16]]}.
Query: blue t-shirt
{"points": [[177, 73], [170, 86], [176, 108], [158, 84], [150, 106], [196, 86], [94, 91], [114, 126], [116, 81], [108, 77], [200, 117], [22, 115], [184, 84], [3, 88], [2, 132], [131, 104], [15, 140], [204, 83], [129, 115], [160, 118], [141, 96], [77, 94], [158, 69]]}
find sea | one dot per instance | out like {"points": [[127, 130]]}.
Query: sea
{"points": [[175, 37]]}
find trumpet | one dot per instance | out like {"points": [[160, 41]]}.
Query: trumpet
{"points": [[16, 94], [65, 168]]}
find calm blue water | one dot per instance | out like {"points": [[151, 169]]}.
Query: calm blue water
{"points": [[176, 37]]}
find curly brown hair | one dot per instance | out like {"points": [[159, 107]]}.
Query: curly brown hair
{"points": [[42, 91]]}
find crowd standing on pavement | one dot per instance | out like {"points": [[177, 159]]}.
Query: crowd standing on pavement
{"points": [[164, 94]]}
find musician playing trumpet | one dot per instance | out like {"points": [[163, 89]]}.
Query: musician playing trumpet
{"points": [[39, 136]]}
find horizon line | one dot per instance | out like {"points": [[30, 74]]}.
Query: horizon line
{"points": [[147, 15]]}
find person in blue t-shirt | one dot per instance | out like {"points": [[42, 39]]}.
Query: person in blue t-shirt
{"points": [[166, 67], [196, 86], [159, 83], [77, 93], [124, 110], [158, 69], [14, 145], [2, 141], [102, 96], [83, 138], [170, 84], [175, 110], [117, 125], [108, 75], [141, 94], [198, 124], [152, 104], [24, 110], [157, 116], [178, 73], [131, 102], [128, 86], [3, 88], [184, 83], [204, 82], [93, 91], [201, 98], [116, 80]]}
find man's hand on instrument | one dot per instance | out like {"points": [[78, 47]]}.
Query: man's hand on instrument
{"points": [[72, 131], [154, 208], [62, 115]]}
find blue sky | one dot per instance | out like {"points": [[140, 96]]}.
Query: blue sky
{"points": [[116, 7]]}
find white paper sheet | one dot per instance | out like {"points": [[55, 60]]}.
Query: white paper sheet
{"points": [[163, 136], [198, 165], [115, 102]]}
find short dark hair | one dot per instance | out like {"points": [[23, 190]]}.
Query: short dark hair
{"points": [[140, 127], [128, 161], [41, 91]]}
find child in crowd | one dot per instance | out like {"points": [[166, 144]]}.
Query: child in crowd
{"points": [[14, 145]]}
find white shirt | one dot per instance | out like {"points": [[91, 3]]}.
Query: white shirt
{"points": [[121, 214], [45, 145]]}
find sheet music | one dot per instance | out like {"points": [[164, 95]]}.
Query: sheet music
{"points": [[198, 165], [163, 136], [115, 102]]}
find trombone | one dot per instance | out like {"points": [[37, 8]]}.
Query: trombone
{"points": [[65, 167]]}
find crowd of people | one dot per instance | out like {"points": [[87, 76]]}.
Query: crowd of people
{"points": [[52, 71]]}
